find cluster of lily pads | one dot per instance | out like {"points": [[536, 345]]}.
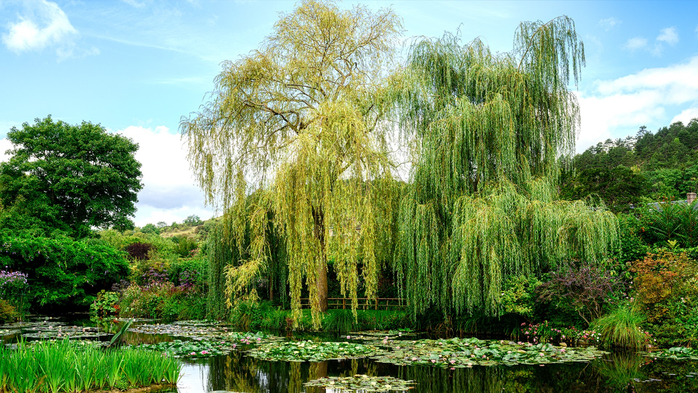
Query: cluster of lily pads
{"points": [[460, 353], [191, 349], [204, 331], [8, 332], [299, 351], [675, 353], [53, 332], [363, 383]]}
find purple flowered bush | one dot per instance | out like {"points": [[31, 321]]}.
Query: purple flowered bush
{"points": [[13, 286]]}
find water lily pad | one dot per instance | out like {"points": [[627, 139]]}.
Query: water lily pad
{"points": [[191, 349], [675, 353], [299, 351], [460, 353], [363, 383]]}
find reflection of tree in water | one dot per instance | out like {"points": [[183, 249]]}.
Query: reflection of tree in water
{"points": [[615, 373]]}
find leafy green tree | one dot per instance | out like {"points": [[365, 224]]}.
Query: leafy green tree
{"points": [[619, 187], [301, 118], [150, 228], [193, 220], [482, 204], [69, 177]]}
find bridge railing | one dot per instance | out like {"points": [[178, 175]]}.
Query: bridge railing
{"points": [[364, 303]]}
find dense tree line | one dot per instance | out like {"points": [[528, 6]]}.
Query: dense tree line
{"points": [[646, 166]]}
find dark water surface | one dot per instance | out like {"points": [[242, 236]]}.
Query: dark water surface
{"points": [[615, 373], [236, 372]]}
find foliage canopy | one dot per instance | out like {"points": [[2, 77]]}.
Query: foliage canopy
{"points": [[298, 122], [68, 178], [489, 129]]}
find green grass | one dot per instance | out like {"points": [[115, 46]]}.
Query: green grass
{"points": [[65, 366], [621, 328]]}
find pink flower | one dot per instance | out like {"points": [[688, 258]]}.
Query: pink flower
{"points": [[433, 360]]}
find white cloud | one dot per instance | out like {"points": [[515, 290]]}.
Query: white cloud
{"points": [[5, 145], [42, 25], [169, 192], [686, 116], [669, 35], [609, 23], [643, 98], [636, 43]]}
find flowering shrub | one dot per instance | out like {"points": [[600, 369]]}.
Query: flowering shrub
{"points": [[545, 332], [163, 300], [13, 286]]}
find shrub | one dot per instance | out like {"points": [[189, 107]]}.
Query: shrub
{"points": [[7, 312], [585, 288], [105, 307], [519, 295], [139, 251], [669, 220], [13, 288], [63, 272], [660, 280], [666, 289], [621, 328]]}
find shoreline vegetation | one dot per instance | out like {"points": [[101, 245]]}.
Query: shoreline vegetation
{"points": [[81, 366]]}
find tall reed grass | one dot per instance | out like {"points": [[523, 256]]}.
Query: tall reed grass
{"points": [[65, 366], [621, 328]]}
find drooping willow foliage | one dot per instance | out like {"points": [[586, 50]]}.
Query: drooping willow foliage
{"points": [[298, 122], [490, 130]]}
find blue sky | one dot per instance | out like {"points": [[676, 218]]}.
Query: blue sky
{"points": [[138, 66]]}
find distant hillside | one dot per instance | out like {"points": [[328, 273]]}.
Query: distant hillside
{"points": [[192, 227], [645, 166]]}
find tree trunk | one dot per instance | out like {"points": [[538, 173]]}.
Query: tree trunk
{"points": [[322, 284], [321, 281]]}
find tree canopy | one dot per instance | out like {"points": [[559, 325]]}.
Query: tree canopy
{"points": [[489, 130], [643, 166], [68, 178], [298, 122]]}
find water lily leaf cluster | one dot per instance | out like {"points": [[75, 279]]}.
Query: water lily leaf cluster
{"points": [[201, 331], [191, 349], [299, 351], [676, 353], [460, 353], [363, 383]]}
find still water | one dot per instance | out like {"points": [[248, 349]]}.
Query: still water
{"points": [[627, 372], [237, 372]]}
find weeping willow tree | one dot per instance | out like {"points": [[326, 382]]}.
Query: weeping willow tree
{"points": [[489, 131], [299, 123]]}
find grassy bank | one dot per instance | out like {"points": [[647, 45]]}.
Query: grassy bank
{"points": [[64, 366]]}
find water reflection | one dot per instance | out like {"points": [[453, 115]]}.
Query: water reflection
{"points": [[621, 372]]}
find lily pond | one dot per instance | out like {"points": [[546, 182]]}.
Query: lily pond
{"points": [[219, 359]]}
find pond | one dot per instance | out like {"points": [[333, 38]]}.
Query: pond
{"points": [[217, 359]]}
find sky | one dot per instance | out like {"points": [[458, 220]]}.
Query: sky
{"points": [[138, 66]]}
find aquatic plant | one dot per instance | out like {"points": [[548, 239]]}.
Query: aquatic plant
{"points": [[621, 328], [362, 383], [299, 351], [66, 366]]}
